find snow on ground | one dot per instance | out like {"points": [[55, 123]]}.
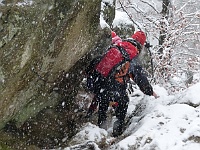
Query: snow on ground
{"points": [[167, 123]]}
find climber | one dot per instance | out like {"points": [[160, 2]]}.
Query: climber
{"points": [[109, 74]]}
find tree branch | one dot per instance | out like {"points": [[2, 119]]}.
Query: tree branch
{"points": [[129, 15], [150, 6]]}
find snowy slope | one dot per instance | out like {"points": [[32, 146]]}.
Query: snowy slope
{"points": [[168, 123]]}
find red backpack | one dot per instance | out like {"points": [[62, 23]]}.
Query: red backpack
{"points": [[116, 56], [109, 64]]}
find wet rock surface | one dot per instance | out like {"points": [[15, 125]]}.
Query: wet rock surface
{"points": [[43, 47]]}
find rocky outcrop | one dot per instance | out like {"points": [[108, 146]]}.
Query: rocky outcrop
{"points": [[43, 46], [45, 38]]}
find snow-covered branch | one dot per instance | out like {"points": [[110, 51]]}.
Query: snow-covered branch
{"points": [[177, 28]]}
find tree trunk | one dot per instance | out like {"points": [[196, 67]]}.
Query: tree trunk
{"points": [[163, 26]]}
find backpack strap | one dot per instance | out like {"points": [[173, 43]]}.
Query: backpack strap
{"points": [[135, 43], [124, 53], [126, 59]]}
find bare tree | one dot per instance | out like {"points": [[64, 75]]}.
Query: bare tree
{"points": [[173, 28]]}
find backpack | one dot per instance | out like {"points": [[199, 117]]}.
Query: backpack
{"points": [[111, 64]]}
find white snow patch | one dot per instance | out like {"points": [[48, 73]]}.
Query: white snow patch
{"points": [[25, 2], [121, 18], [91, 132]]}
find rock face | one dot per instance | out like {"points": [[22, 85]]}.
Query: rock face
{"points": [[41, 46]]}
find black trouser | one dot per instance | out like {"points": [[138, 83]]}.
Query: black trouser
{"points": [[114, 91]]}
